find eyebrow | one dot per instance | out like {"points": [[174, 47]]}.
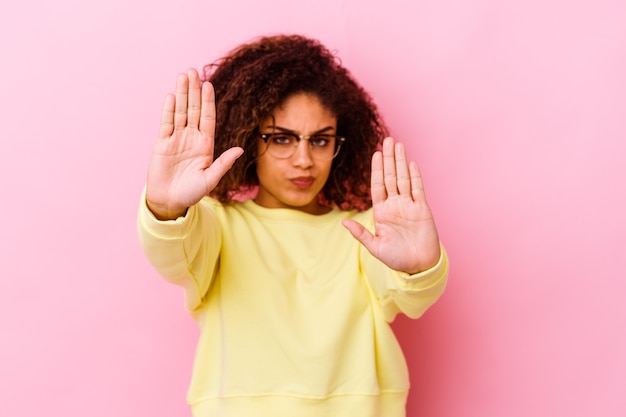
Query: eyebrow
{"points": [[285, 130]]}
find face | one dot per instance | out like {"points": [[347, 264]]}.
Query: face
{"points": [[295, 182]]}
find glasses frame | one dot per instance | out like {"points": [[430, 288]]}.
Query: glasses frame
{"points": [[265, 137]]}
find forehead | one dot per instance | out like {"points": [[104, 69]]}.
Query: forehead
{"points": [[299, 110]]}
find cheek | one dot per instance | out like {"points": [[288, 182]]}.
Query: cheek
{"points": [[261, 164], [265, 170], [325, 170]]}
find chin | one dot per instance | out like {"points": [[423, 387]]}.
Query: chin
{"points": [[303, 201]]}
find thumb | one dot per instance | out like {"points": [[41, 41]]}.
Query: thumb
{"points": [[359, 232], [214, 173]]}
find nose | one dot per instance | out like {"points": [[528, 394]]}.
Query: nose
{"points": [[303, 157]]}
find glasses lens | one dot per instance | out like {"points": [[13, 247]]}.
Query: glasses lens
{"points": [[323, 146], [282, 145]]}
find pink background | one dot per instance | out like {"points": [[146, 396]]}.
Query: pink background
{"points": [[514, 109]]}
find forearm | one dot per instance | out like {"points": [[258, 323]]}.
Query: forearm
{"points": [[173, 247], [402, 292]]}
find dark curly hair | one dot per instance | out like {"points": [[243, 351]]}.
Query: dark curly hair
{"points": [[256, 78]]}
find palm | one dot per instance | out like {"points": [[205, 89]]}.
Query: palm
{"points": [[405, 236], [182, 169]]}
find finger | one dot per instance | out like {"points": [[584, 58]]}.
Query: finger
{"points": [[389, 167], [220, 166], [193, 100], [207, 115], [167, 117], [180, 110], [402, 171], [417, 185], [377, 185]]}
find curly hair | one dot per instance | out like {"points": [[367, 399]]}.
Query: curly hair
{"points": [[256, 78]]}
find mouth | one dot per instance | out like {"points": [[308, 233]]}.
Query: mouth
{"points": [[302, 182]]}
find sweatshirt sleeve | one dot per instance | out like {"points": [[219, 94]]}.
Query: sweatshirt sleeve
{"points": [[400, 292], [184, 251]]}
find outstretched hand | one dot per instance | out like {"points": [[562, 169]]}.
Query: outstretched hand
{"points": [[183, 169], [405, 236]]}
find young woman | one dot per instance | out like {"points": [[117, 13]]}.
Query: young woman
{"points": [[293, 251]]}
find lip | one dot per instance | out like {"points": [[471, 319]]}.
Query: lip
{"points": [[302, 182]]}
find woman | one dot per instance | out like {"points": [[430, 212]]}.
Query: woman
{"points": [[294, 252]]}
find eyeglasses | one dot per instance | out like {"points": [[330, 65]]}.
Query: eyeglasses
{"points": [[283, 145]]}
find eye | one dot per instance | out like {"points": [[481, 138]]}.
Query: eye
{"points": [[282, 139], [320, 141]]}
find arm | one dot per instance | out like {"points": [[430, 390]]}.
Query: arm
{"points": [[401, 292], [179, 234], [403, 237], [184, 251]]}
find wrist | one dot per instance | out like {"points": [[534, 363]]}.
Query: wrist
{"points": [[430, 261], [165, 213]]}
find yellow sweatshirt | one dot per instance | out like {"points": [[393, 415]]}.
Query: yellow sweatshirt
{"points": [[293, 311]]}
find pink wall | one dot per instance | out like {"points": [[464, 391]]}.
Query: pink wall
{"points": [[515, 110]]}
